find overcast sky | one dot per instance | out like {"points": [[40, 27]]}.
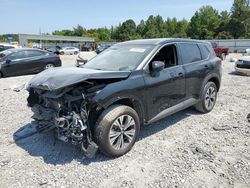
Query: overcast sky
{"points": [[27, 16]]}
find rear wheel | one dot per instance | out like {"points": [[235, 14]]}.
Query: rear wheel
{"points": [[48, 66], [75, 52], [1, 75], [208, 98], [62, 53], [117, 130]]}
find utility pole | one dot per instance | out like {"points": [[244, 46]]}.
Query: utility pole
{"points": [[40, 45]]}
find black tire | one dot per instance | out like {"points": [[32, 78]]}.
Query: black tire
{"points": [[203, 106], [49, 65], [1, 74], [62, 53], [106, 123], [75, 52]]}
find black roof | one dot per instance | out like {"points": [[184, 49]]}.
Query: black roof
{"points": [[159, 41]]}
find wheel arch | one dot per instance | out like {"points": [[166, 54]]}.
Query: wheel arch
{"points": [[216, 81], [132, 102], [211, 78]]}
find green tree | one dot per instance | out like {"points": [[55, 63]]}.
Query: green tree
{"points": [[126, 30], [204, 23], [240, 12], [140, 29], [155, 27], [79, 31], [104, 34], [64, 32]]}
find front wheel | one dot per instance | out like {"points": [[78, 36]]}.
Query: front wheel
{"points": [[117, 130], [208, 98]]}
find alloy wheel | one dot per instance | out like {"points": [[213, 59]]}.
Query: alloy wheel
{"points": [[49, 66], [122, 132], [210, 98]]}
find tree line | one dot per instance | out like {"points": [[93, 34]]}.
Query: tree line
{"points": [[206, 23]]}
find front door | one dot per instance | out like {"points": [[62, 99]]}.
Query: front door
{"points": [[167, 88], [14, 64]]}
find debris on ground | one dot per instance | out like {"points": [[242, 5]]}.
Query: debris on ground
{"points": [[15, 88], [207, 155], [222, 128]]}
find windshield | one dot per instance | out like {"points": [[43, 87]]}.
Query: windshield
{"points": [[120, 58]]}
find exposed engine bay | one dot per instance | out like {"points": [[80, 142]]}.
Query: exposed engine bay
{"points": [[67, 112]]}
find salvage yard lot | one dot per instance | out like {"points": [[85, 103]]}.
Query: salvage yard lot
{"points": [[187, 149]]}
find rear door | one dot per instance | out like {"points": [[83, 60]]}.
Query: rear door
{"points": [[196, 66], [36, 61]]}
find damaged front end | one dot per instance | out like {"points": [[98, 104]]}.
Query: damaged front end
{"points": [[63, 99], [67, 112]]}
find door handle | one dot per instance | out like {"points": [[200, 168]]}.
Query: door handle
{"points": [[206, 66]]}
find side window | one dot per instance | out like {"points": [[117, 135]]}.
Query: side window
{"points": [[190, 53], [8, 47], [167, 55], [18, 55], [204, 51], [34, 53]]}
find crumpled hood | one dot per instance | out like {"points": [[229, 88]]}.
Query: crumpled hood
{"points": [[56, 78]]}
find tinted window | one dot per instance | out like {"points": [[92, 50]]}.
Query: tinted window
{"points": [[8, 47], [34, 53], [167, 55], [18, 55], [204, 51], [190, 53]]}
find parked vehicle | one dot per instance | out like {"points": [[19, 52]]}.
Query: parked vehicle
{"points": [[69, 51], [6, 47], [22, 61], [102, 48], [80, 60], [242, 65], [88, 47], [130, 84], [54, 50], [220, 52]]}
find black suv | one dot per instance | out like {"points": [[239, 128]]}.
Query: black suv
{"points": [[104, 102]]}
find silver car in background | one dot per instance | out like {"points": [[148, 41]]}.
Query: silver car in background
{"points": [[69, 51]]}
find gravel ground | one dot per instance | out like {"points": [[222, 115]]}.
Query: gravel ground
{"points": [[187, 149]]}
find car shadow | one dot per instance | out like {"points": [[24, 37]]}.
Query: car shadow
{"points": [[234, 73], [54, 151]]}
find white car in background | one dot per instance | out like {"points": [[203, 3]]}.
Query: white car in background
{"points": [[4, 46], [69, 51]]}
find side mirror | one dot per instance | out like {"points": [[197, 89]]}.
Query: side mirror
{"points": [[157, 66], [7, 61]]}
